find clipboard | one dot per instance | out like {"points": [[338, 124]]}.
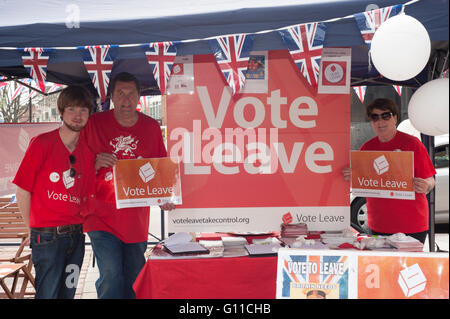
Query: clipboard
{"points": [[186, 248], [255, 250]]}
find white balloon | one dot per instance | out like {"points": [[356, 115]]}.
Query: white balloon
{"points": [[428, 108], [400, 48], [406, 127]]}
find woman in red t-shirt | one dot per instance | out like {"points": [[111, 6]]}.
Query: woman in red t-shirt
{"points": [[390, 216]]}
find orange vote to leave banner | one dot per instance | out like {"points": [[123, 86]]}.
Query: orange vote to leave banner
{"points": [[407, 276], [146, 181], [383, 174]]}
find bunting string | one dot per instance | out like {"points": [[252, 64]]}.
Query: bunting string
{"points": [[199, 39], [304, 42]]}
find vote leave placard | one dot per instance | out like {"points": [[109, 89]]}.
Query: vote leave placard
{"points": [[247, 160], [146, 182], [383, 174]]}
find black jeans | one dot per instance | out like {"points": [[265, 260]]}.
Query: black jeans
{"points": [[419, 236]]}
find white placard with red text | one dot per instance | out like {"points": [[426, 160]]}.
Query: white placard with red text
{"points": [[335, 71], [249, 160]]}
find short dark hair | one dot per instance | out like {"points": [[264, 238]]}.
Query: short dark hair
{"points": [[75, 95], [316, 291], [382, 104], [124, 77]]}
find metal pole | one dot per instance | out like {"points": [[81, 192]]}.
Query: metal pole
{"points": [[30, 110], [162, 225], [428, 141]]}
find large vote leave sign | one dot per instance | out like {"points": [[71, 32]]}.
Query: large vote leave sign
{"points": [[249, 161]]}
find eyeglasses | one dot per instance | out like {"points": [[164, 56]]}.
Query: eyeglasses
{"points": [[385, 116], [72, 161]]}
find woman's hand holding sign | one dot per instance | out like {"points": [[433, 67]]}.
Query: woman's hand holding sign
{"points": [[423, 186]]}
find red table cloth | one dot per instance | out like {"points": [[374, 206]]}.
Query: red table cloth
{"points": [[208, 278]]}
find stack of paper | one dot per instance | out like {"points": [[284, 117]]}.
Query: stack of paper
{"points": [[215, 247], [374, 243], [234, 246], [181, 243], [259, 250], [293, 230], [337, 238], [308, 244], [404, 242]]}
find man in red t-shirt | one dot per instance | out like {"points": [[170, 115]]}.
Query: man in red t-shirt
{"points": [[389, 216], [119, 236], [53, 186]]}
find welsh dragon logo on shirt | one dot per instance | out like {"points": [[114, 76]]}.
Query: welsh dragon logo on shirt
{"points": [[124, 145]]}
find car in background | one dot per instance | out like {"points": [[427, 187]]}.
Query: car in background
{"points": [[441, 156]]}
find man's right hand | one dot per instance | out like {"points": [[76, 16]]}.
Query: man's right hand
{"points": [[105, 160], [347, 173]]}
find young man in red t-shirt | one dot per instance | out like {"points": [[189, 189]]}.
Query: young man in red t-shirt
{"points": [[53, 183], [119, 236]]}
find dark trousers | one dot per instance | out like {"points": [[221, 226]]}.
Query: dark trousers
{"points": [[119, 265], [57, 260]]}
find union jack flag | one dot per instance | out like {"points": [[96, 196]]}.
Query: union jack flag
{"points": [[35, 60], [143, 102], [15, 93], [305, 43], [369, 21], [4, 82], [160, 56], [54, 87], [98, 61], [360, 91], [398, 89], [232, 54], [316, 271]]}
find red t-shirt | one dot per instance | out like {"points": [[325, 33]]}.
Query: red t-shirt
{"points": [[142, 140], [56, 198], [401, 215]]}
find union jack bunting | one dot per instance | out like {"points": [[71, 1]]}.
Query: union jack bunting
{"points": [[54, 87], [15, 93], [360, 91], [232, 54], [35, 60], [305, 43], [160, 56], [4, 82], [143, 103], [369, 21], [398, 89], [31, 93], [98, 61], [330, 274]]}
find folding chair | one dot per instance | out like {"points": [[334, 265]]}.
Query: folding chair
{"points": [[12, 226]]}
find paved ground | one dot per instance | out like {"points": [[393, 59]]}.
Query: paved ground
{"points": [[89, 274]]}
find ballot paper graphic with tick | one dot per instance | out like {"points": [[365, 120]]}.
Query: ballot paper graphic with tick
{"points": [[68, 180], [146, 182], [412, 280], [381, 165], [146, 172], [382, 174]]}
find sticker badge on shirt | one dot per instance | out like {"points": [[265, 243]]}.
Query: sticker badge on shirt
{"points": [[54, 177], [68, 181]]}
